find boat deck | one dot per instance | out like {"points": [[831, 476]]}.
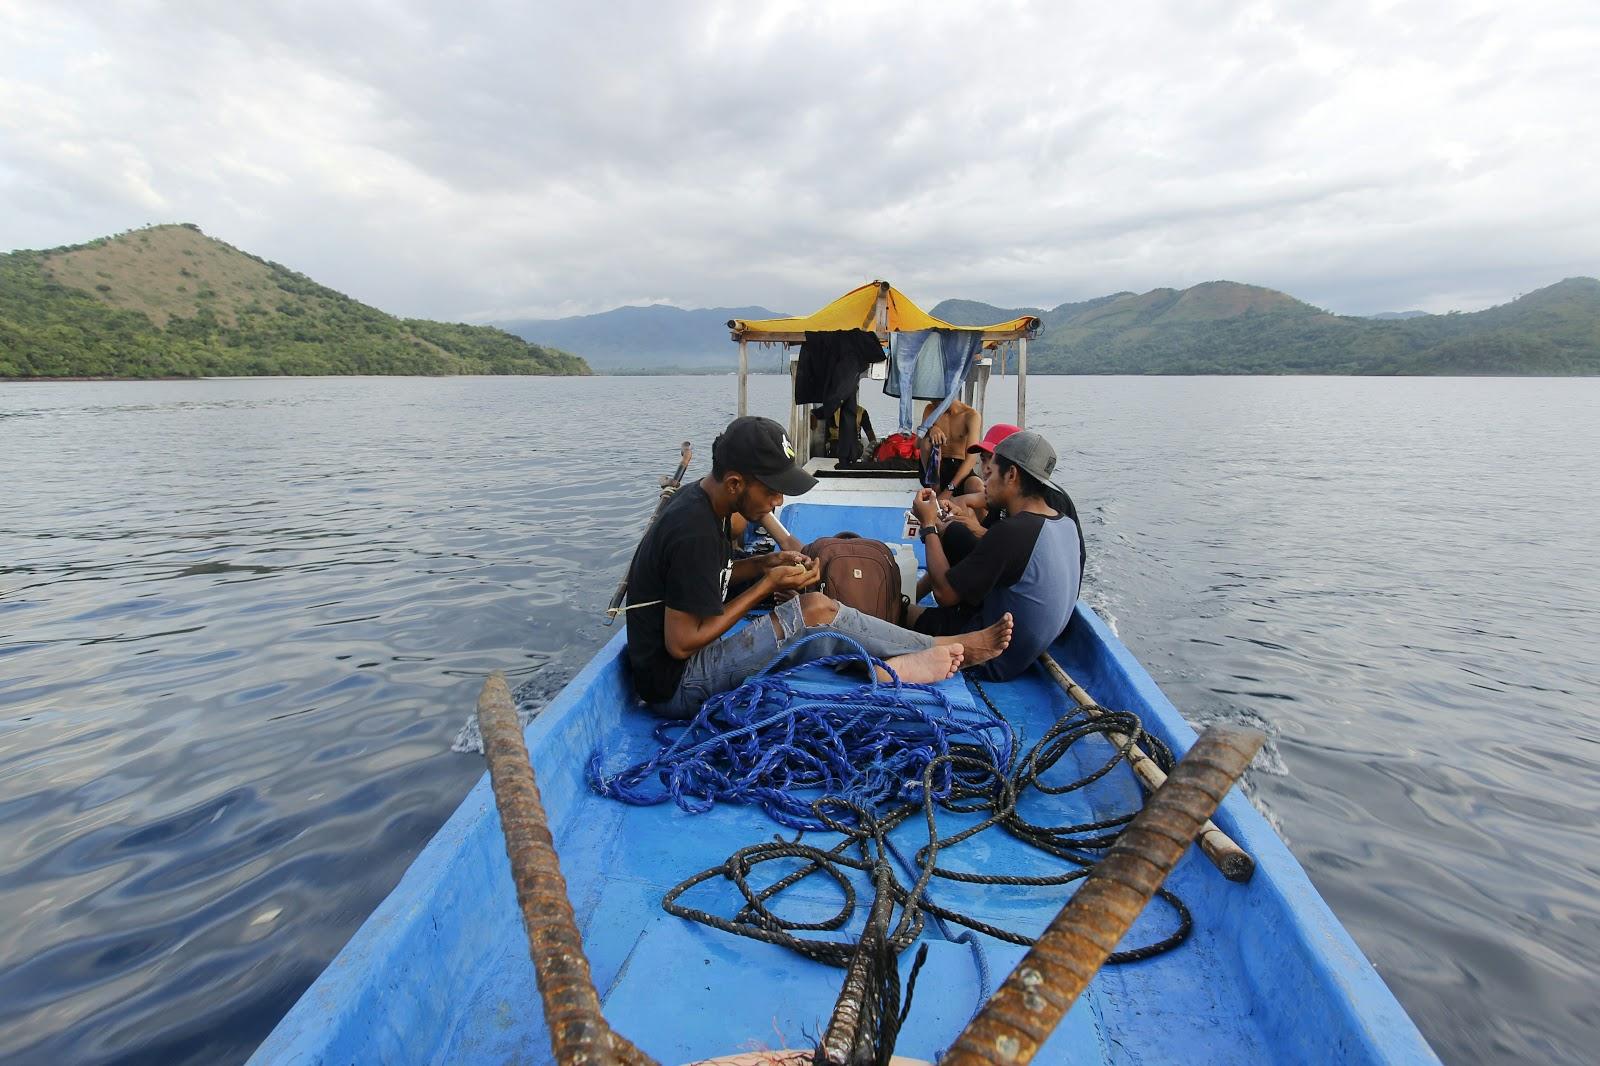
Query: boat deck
{"points": [[440, 972], [706, 992]]}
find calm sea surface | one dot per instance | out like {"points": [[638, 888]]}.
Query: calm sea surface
{"points": [[241, 622]]}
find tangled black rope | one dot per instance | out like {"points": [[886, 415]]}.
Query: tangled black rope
{"points": [[972, 782]]}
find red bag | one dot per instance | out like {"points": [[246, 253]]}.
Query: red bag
{"points": [[896, 446]]}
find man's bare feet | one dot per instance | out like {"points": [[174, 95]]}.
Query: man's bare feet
{"points": [[984, 644], [928, 665]]}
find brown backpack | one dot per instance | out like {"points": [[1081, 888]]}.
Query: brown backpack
{"points": [[861, 573]]}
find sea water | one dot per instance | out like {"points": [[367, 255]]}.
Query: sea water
{"points": [[242, 621]]}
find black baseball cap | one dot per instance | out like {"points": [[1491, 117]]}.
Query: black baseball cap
{"points": [[759, 448]]}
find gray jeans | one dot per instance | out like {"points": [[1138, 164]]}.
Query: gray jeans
{"points": [[726, 664]]}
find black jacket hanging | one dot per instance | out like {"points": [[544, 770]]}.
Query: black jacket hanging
{"points": [[828, 374]]}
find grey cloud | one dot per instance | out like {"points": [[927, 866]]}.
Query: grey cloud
{"points": [[511, 159]]}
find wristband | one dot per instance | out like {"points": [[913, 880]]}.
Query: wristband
{"points": [[926, 531]]}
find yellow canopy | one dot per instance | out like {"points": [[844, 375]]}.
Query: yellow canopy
{"points": [[858, 309]]}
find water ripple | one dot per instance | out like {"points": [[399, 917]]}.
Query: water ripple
{"points": [[241, 622]]}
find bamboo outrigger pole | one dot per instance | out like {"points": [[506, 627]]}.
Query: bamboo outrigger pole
{"points": [[579, 1032], [1010, 1029], [1229, 858]]}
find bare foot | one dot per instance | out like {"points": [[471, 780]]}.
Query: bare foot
{"points": [[985, 644], [928, 665]]}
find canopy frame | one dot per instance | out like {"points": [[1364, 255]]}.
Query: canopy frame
{"points": [[877, 320]]}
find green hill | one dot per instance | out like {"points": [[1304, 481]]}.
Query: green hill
{"points": [[1222, 327], [168, 301]]}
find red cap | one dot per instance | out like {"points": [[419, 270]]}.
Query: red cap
{"points": [[997, 433]]}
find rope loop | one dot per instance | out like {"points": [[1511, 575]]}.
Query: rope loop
{"points": [[777, 736], [859, 761]]}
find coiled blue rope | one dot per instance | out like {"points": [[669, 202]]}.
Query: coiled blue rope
{"points": [[779, 743]]}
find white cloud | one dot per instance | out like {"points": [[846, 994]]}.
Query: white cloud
{"points": [[507, 159]]}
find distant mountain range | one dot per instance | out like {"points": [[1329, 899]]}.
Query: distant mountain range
{"points": [[1219, 327], [168, 301], [654, 338]]}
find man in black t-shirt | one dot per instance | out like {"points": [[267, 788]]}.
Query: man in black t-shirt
{"points": [[1029, 564], [678, 616]]}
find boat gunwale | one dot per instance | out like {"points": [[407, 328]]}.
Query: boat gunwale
{"points": [[1371, 1014]]}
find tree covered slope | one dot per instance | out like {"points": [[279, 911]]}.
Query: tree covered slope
{"points": [[168, 301], [1222, 327]]}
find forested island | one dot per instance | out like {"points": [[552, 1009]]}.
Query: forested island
{"points": [[1222, 327], [1218, 327], [168, 301]]}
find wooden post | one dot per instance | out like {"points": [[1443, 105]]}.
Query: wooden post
{"points": [[579, 1032], [799, 414], [1232, 861], [1022, 382], [744, 378], [982, 387]]}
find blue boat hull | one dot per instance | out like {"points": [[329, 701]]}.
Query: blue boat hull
{"points": [[440, 972]]}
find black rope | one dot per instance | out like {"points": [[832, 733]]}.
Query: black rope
{"points": [[979, 786]]}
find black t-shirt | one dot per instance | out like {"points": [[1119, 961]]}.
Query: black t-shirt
{"points": [[684, 561], [959, 540], [997, 559], [1029, 565]]}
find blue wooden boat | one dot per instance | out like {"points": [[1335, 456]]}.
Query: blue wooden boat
{"points": [[440, 972]]}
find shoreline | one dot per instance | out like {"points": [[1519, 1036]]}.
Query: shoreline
{"points": [[677, 373]]}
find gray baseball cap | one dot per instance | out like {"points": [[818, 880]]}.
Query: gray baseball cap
{"points": [[1031, 452]]}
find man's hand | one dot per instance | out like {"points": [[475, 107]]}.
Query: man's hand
{"points": [[966, 516], [793, 575], [936, 436], [772, 559], [926, 507]]}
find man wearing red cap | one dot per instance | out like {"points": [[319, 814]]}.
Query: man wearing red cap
{"points": [[971, 507]]}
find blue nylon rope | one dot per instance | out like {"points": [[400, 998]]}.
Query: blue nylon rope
{"points": [[968, 937], [778, 743]]}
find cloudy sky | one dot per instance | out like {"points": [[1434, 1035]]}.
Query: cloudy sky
{"points": [[496, 160]]}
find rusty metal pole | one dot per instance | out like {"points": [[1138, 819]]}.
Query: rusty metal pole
{"points": [[579, 1033], [1025, 1010]]}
